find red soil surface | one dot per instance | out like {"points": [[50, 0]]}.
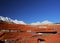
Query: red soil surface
{"points": [[19, 33]]}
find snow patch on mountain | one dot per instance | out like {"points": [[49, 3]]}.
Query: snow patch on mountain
{"points": [[18, 22], [42, 23], [6, 19]]}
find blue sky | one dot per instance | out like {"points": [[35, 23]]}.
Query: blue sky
{"points": [[31, 10]]}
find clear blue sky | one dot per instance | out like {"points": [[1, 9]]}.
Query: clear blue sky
{"points": [[31, 10]]}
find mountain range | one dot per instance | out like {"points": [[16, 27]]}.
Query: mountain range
{"points": [[9, 20]]}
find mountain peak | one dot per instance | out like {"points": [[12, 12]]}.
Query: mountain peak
{"points": [[9, 20]]}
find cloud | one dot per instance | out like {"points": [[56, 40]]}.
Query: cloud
{"points": [[11, 20]]}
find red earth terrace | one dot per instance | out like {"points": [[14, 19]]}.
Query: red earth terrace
{"points": [[20, 33]]}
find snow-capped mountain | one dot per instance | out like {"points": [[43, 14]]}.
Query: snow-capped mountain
{"points": [[9, 20], [6, 19], [42, 23]]}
